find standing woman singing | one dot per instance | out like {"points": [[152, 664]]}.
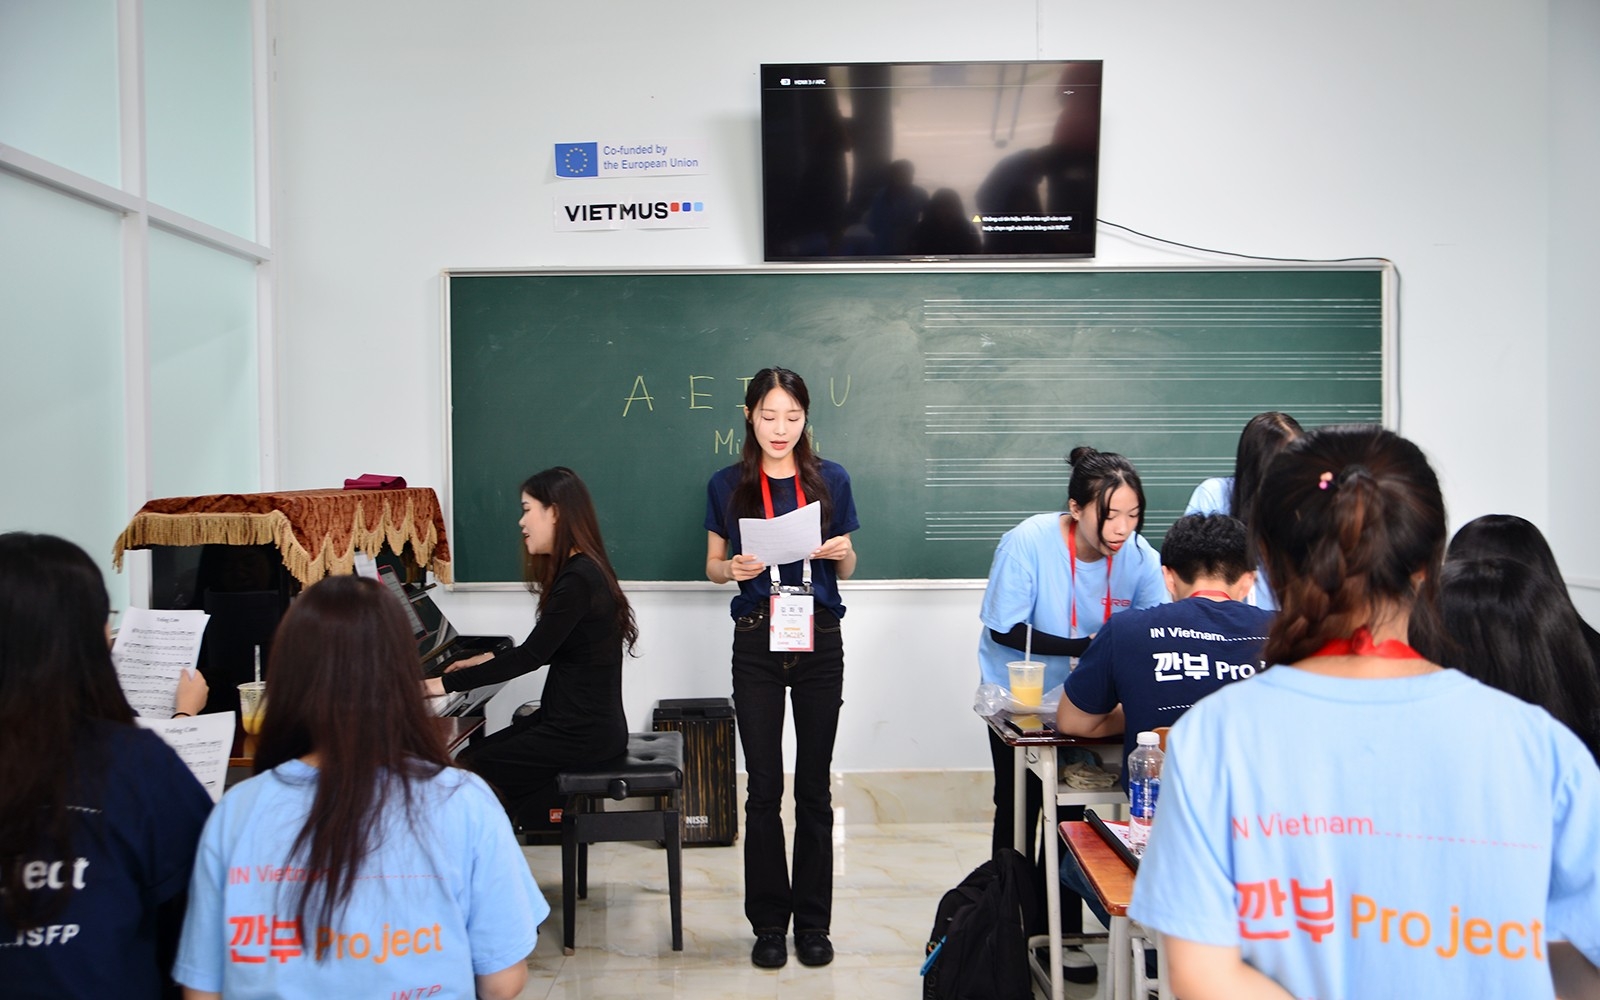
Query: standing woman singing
{"points": [[584, 622], [778, 474]]}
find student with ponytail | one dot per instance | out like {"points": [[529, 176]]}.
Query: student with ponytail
{"points": [[1358, 821], [1065, 574]]}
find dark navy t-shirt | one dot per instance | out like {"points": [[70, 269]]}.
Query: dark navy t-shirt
{"points": [[133, 846], [754, 594], [1159, 661]]}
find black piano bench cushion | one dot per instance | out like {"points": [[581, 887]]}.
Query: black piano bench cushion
{"points": [[652, 765]]}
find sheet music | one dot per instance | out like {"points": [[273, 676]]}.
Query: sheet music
{"points": [[203, 742], [151, 647], [785, 539]]}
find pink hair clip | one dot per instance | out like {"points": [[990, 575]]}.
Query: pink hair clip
{"points": [[1323, 480]]}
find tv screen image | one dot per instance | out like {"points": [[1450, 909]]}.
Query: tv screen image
{"points": [[916, 161]]}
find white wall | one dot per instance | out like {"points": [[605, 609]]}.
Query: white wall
{"points": [[415, 136]]}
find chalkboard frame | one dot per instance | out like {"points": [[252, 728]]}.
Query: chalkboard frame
{"points": [[1388, 340]]}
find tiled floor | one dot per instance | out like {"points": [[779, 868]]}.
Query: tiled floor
{"points": [[888, 878]]}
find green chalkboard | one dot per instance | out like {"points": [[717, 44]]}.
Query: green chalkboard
{"points": [[951, 396]]}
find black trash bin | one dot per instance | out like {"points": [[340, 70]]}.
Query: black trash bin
{"points": [[710, 813]]}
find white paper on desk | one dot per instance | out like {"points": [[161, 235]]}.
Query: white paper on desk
{"points": [[151, 647], [785, 539], [203, 742]]}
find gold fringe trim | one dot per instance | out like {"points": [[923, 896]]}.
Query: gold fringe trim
{"points": [[147, 529]]}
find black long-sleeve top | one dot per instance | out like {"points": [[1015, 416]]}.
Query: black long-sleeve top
{"points": [[577, 635]]}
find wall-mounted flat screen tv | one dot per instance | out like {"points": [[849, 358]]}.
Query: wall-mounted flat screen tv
{"points": [[918, 161]]}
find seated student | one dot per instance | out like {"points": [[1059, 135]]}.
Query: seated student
{"points": [[1511, 537], [1147, 667], [1358, 821], [98, 818], [1263, 437], [357, 861], [1514, 628]]}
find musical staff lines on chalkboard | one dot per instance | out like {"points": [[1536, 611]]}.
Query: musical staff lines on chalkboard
{"points": [[1163, 313], [1213, 366], [1087, 421], [1051, 470]]}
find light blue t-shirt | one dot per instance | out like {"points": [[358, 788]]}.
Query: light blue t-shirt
{"points": [[1215, 496], [1031, 580], [1409, 837], [435, 904]]}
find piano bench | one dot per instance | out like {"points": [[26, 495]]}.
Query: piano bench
{"points": [[651, 767]]}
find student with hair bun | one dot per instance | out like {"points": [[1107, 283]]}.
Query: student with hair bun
{"points": [[1065, 574], [1357, 821], [1264, 436]]}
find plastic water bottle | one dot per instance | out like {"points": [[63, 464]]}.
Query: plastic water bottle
{"points": [[1144, 786]]}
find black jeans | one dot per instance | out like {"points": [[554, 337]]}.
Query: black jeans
{"points": [[1004, 758], [815, 683]]}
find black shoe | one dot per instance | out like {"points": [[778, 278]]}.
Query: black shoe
{"points": [[1076, 965], [770, 952], [813, 948]]}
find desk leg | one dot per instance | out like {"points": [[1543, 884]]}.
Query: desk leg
{"points": [[1048, 776], [1019, 802], [1119, 978]]}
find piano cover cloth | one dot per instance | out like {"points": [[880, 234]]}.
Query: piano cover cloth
{"points": [[315, 531]]}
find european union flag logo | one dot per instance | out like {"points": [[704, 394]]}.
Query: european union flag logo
{"points": [[577, 159]]}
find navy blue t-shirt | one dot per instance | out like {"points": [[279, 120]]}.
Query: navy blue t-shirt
{"points": [[132, 849], [754, 595], [1159, 661]]}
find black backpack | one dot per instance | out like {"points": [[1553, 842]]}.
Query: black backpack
{"points": [[978, 948]]}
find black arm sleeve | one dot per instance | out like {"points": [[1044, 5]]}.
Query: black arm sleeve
{"points": [[569, 602], [1043, 642]]}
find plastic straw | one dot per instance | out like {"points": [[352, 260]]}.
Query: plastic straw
{"points": [[1027, 644], [258, 664]]}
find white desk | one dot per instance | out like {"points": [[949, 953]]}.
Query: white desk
{"points": [[1036, 751]]}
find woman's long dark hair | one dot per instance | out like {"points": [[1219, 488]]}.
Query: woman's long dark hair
{"points": [[55, 677], [342, 682], [1263, 438], [577, 527], [1511, 628], [1098, 474], [746, 498], [1347, 518]]}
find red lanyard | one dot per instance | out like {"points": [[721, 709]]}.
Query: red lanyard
{"points": [[1222, 595], [1072, 563], [766, 493], [1361, 644]]}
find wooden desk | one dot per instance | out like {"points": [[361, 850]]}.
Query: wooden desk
{"points": [[456, 730], [1036, 751], [1112, 881]]}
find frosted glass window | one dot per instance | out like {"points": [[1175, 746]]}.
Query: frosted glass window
{"points": [[199, 131], [204, 432], [58, 83], [62, 434]]}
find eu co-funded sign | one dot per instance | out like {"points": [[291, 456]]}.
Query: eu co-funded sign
{"points": [[642, 158]]}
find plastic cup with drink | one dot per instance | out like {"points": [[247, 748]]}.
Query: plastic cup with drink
{"points": [[1027, 682]]}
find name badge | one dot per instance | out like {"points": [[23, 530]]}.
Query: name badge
{"points": [[791, 623]]}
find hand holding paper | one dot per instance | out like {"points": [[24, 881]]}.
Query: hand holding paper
{"points": [[790, 538]]}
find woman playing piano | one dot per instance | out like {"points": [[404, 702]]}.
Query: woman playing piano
{"points": [[584, 622]]}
